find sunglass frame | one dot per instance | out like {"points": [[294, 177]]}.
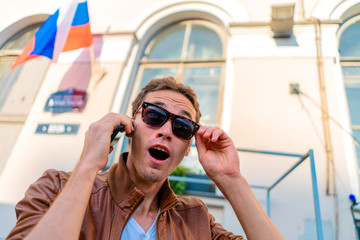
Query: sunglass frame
{"points": [[170, 116]]}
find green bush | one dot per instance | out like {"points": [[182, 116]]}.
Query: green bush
{"points": [[179, 186]]}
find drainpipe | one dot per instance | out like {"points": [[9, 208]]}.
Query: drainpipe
{"points": [[330, 163], [301, 10]]}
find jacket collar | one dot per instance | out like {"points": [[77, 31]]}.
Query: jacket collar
{"points": [[123, 188]]}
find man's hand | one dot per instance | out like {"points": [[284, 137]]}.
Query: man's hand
{"points": [[64, 218], [97, 140], [217, 153], [219, 157]]}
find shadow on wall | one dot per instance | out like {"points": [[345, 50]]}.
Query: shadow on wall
{"points": [[78, 76], [72, 92], [7, 219], [287, 41]]}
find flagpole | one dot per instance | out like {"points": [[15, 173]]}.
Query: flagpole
{"points": [[92, 57], [97, 72]]}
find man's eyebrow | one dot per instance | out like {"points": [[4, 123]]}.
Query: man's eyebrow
{"points": [[183, 112]]}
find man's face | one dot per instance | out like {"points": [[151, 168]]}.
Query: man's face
{"points": [[148, 160]]}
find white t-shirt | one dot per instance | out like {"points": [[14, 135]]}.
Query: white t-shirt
{"points": [[133, 231]]}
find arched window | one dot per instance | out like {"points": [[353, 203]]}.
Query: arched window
{"points": [[193, 52], [17, 90], [349, 48], [8, 53]]}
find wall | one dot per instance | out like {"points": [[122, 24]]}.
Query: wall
{"points": [[259, 112], [36, 152], [264, 116]]}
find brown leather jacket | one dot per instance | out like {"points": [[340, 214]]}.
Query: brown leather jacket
{"points": [[113, 199]]}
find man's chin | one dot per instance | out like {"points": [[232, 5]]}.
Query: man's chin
{"points": [[151, 177]]}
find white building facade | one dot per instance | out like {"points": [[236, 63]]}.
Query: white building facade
{"points": [[291, 93]]}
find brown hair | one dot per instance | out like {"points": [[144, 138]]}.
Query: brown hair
{"points": [[166, 83]]}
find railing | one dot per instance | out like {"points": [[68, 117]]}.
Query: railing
{"points": [[302, 158], [355, 212]]}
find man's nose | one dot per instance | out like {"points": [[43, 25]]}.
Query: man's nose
{"points": [[165, 131]]}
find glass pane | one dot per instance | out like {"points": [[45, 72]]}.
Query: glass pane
{"points": [[7, 78], [204, 43], [352, 86], [191, 161], [150, 73], [357, 146], [21, 39], [206, 83], [350, 41], [168, 44]]}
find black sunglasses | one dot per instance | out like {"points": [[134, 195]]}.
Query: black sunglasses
{"points": [[156, 116]]}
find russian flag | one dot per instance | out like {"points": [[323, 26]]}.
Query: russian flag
{"points": [[67, 29]]}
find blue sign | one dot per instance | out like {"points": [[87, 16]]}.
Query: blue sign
{"points": [[70, 100], [57, 129]]}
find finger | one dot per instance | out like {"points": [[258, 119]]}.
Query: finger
{"points": [[201, 130], [216, 134], [211, 133], [129, 125], [200, 146], [113, 120]]}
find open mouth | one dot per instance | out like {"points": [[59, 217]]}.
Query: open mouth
{"points": [[158, 153]]}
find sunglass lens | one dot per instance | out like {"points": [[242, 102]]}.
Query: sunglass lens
{"points": [[182, 128], [154, 116]]}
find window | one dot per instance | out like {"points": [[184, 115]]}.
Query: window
{"points": [[17, 90], [8, 53], [349, 48], [193, 52]]}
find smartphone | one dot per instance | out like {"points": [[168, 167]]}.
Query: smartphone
{"points": [[116, 135]]}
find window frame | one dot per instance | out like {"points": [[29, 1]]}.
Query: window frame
{"points": [[349, 62], [183, 63], [12, 54], [143, 63]]}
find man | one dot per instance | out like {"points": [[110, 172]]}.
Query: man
{"points": [[133, 200]]}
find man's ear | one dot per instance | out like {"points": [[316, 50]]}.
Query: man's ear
{"points": [[189, 147]]}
